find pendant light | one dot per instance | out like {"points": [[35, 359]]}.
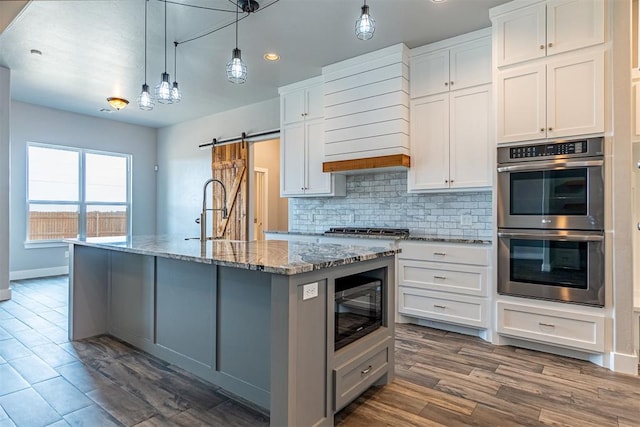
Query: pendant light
{"points": [[176, 95], [236, 69], [145, 100], [163, 89], [365, 25]]}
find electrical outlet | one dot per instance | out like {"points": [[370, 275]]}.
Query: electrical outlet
{"points": [[465, 220], [310, 290], [66, 254]]}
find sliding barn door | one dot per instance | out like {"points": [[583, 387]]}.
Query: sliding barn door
{"points": [[229, 165]]}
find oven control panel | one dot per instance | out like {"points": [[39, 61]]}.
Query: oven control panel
{"points": [[543, 150], [552, 150]]}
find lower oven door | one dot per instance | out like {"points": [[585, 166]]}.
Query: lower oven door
{"points": [[556, 265]]}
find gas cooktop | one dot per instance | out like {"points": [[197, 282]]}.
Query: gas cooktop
{"points": [[369, 231]]}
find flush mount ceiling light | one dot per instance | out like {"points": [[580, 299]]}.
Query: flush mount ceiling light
{"points": [[145, 100], [163, 89], [365, 25], [271, 56], [117, 103], [236, 69]]}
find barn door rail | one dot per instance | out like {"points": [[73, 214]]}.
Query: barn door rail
{"points": [[244, 137]]}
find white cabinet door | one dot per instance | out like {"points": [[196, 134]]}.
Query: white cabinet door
{"points": [[521, 104], [636, 116], [429, 143], [470, 64], [575, 95], [470, 141], [429, 74], [292, 159], [292, 106], [317, 182], [314, 102], [573, 24], [520, 35]]}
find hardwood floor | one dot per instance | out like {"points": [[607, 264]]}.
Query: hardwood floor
{"points": [[442, 378]]}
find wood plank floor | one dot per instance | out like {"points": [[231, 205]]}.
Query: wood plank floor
{"points": [[442, 378]]}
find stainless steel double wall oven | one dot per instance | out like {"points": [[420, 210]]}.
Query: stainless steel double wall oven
{"points": [[551, 221]]}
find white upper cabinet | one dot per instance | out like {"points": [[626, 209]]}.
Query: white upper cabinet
{"points": [[557, 98], [547, 28], [302, 104], [302, 143], [441, 70]]}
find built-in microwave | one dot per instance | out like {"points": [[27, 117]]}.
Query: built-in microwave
{"points": [[556, 185], [358, 308]]}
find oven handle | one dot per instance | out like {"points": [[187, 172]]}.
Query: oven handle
{"points": [[534, 166], [562, 236]]}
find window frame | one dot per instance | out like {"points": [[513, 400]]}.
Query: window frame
{"points": [[82, 200]]}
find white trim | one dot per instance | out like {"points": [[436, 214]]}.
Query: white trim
{"points": [[38, 272], [5, 294], [623, 363]]}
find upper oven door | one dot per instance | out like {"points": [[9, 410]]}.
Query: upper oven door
{"points": [[559, 194]]}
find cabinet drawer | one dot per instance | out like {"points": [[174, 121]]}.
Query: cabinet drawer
{"points": [[358, 374], [445, 252], [442, 306], [462, 279], [568, 329]]}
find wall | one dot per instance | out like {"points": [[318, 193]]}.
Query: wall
{"points": [[381, 200], [183, 167], [5, 105], [31, 123], [266, 155]]}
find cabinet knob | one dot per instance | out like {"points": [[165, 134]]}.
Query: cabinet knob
{"points": [[541, 129], [451, 82], [446, 83], [550, 45], [550, 129], [542, 47], [446, 181], [451, 181]]}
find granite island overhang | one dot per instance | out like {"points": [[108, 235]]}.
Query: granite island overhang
{"points": [[255, 318]]}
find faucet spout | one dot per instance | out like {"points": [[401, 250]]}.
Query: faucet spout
{"points": [[203, 214]]}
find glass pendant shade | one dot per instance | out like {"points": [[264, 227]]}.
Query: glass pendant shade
{"points": [[365, 25], [176, 95], [236, 69], [145, 100], [163, 90]]}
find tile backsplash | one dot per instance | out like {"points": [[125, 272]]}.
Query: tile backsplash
{"points": [[381, 200]]}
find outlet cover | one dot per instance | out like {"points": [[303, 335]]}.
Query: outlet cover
{"points": [[310, 290]]}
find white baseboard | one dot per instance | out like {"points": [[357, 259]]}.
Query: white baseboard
{"points": [[38, 272], [623, 363], [5, 294]]}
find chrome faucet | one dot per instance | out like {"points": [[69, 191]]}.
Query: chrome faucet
{"points": [[203, 215]]}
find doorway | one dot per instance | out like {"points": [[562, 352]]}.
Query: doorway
{"points": [[268, 211]]}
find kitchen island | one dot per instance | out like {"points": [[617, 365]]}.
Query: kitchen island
{"points": [[255, 318]]}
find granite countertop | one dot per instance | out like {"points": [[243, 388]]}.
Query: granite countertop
{"points": [[272, 256], [411, 237]]}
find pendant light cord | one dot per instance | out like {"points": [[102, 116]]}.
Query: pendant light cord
{"points": [[175, 61], [165, 36], [145, 41], [237, 7]]}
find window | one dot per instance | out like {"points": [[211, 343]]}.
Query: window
{"points": [[76, 193]]}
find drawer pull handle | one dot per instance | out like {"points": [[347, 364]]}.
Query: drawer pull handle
{"points": [[548, 325], [440, 277], [366, 371], [440, 253], [439, 306]]}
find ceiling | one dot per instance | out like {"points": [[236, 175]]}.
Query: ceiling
{"points": [[95, 49]]}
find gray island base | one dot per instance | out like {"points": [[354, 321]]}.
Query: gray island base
{"points": [[255, 318]]}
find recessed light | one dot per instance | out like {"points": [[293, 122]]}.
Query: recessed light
{"points": [[36, 52], [271, 56]]}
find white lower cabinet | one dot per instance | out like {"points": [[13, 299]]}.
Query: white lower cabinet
{"points": [[566, 328], [445, 282]]}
